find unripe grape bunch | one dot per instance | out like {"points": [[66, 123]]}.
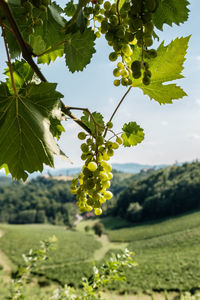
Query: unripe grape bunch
{"points": [[92, 184], [126, 30]]}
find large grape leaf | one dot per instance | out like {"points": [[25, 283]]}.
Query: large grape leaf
{"points": [[79, 48], [132, 134], [167, 66], [169, 12], [26, 141]]}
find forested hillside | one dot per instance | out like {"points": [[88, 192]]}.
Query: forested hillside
{"points": [[144, 196], [167, 192], [38, 201]]}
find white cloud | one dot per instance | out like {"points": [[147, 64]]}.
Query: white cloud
{"points": [[195, 136], [198, 102], [164, 123]]}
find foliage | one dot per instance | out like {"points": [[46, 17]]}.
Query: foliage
{"points": [[98, 229], [167, 192], [31, 108], [38, 201], [112, 270]]}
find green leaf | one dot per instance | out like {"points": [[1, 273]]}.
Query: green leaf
{"points": [[169, 12], [37, 43], [26, 140], [132, 134], [70, 9], [90, 122], [167, 66], [22, 73], [79, 49], [121, 3], [51, 55]]}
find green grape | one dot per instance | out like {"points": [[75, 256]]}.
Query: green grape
{"points": [[109, 125], [146, 80], [81, 135], [102, 200], [113, 56], [84, 156], [98, 34], [99, 140], [89, 141], [126, 49], [30, 30], [136, 66], [137, 75], [90, 184], [119, 140], [116, 72], [128, 59], [124, 73], [90, 202], [110, 152], [92, 166], [108, 195], [106, 166], [148, 41], [113, 20], [98, 211], [107, 5], [116, 82], [115, 146], [106, 156], [152, 53], [103, 176], [84, 147], [124, 81], [148, 28], [110, 176], [120, 65]]}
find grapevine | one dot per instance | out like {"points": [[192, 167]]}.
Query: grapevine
{"points": [[40, 31]]}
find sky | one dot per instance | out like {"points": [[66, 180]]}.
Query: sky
{"points": [[172, 131]]}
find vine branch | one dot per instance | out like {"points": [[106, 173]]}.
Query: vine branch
{"points": [[120, 102], [8, 57]]}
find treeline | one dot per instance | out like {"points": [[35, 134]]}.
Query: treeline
{"points": [[37, 201], [167, 192]]}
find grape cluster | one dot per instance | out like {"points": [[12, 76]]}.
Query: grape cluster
{"points": [[123, 29], [28, 17], [92, 184]]}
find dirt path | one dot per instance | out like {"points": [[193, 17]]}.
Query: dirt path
{"points": [[4, 260], [106, 246]]}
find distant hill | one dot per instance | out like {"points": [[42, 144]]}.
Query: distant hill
{"points": [[163, 193]]}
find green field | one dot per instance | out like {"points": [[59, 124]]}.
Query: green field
{"points": [[168, 252]]}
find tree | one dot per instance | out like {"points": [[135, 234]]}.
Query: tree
{"points": [[98, 229], [31, 109]]}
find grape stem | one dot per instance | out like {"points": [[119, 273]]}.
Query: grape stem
{"points": [[118, 13], [9, 61], [120, 102]]}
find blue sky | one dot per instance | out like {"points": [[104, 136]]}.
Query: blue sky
{"points": [[172, 131]]}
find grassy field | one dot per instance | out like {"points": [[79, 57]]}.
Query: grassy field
{"points": [[168, 252]]}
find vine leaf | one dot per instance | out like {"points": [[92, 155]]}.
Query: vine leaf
{"points": [[79, 49], [89, 121], [22, 73], [169, 12], [26, 138], [132, 134], [167, 66], [121, 3], [51, 55], [70, 8]]}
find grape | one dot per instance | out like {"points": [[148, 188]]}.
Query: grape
{"points": [[126, 49], [116, 72], [119, 140], [113, 56], [120, 65], [116, 82], [81, 135], [84, 147], [98, 211], [99, 140], [115, 146], [92, 166], [146, 80], [109, 125], [107, 5], [108, 195]]}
